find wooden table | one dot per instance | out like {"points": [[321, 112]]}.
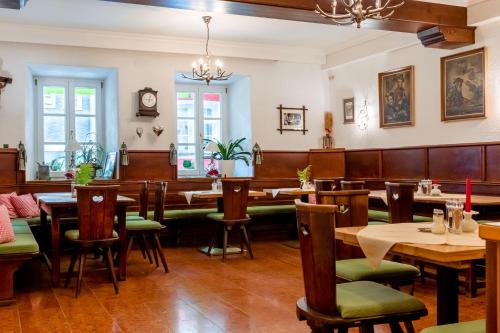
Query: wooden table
{"points": [[207, 195], [448, 259], [477, 200], [62, 205], [293, 192]]}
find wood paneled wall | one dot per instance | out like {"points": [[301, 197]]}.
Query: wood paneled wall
{"points": [[148, 165], [8, 167]]}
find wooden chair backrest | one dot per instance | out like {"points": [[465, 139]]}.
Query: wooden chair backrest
{"points": [[160, 198], [144, 199], [331, 184], [352, 185], [96, 211], [316, 228], [352, 211], [235, 195], [400, 201]]}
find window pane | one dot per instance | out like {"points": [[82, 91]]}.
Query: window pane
{"points": [[186, 104], [85, 101], [55, 157], [54, 129], [186, 159], [186, 131], [85, 129], [211, 105], [212, 130], [54, 100]]}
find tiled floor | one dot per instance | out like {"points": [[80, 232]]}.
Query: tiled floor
{"points": [[200, 294]]}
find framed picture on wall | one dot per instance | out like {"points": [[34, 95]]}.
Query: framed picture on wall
{"points": [[396, 92], [109, 167], [463, 85], [348, 104], [292, 119]]}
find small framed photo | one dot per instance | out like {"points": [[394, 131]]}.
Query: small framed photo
{"points": [[292, 119], [348, 104], [396, 92], [463, 85], [109, 167]]}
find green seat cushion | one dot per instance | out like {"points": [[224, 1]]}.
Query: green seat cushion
{"points": [[360, 269], [138, 225], [364, 299], [218, 216], [188, 213], [269, 210], [21, 227], [377, 222], [74, 234], [418, 218], [24, 244], [30, 221], [131, 218], [476, 326], [378, 215]]}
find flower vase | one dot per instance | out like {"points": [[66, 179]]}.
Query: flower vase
{"points": [[73, 189], [468, 223], [214, 184]]}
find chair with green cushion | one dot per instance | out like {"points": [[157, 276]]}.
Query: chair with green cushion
{"points": [[270, 210], [235, 196], [352, 266], [476, 326], [145, 229], [328, 306], [400, 199]]}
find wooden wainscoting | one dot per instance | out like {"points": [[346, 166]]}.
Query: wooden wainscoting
{"points": [[8, 167], [327, 163], [281, 164], [148, 165]]}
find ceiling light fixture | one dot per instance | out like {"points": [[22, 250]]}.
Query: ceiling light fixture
{"points": [[202, 68], [356, 13]]}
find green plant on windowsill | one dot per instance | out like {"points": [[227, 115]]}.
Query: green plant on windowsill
{"points": [[232, 150], [84, 174], [91, 153]]}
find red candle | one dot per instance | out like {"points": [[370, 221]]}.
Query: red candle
{"points": [[468, 193]]}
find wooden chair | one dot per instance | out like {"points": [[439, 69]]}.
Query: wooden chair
{"points": [[144, 230], [351, 263], [96, 215], [400, 202], [331, 184], [352, 185], [235, 195], [328, 306]]}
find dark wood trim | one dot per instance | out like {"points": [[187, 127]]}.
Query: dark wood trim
{"points": [[441, 37], [13, 4]]}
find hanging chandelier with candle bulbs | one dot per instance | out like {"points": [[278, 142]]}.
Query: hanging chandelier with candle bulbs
{"points": [[356, 12], [202, 70]]}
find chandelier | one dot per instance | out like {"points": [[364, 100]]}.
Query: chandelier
{"points": [[202, 69], [356, 13]]}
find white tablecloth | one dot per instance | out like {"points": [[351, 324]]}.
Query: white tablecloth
{"points": [[189, 194], [377, 240]]}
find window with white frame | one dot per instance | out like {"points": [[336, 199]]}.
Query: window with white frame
{"points": [[200, 116], [66, 106]]}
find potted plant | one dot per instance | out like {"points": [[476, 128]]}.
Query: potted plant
{"points": [[227, 153], [92, 153], [304, 176], [83, 176]]}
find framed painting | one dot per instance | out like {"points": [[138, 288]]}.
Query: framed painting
{"points": [[348, 104], [109, 167], [396, 91], [463, 85], [292, 119]]}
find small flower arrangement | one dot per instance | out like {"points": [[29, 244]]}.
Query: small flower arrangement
{"points": [[304, 175], [70, 175], [212, 171]]}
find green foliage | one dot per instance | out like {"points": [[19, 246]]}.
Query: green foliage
{"points": [[84, 174], [91, 153], [57, 163], [232, 150], [304, 175]]}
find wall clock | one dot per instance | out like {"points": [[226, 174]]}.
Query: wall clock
{"points": [[148, 103]]}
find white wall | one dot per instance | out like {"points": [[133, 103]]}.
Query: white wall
{"points": [[359, 79], [272, 83]]}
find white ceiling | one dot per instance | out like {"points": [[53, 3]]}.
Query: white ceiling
{"points": [[125, 18]]}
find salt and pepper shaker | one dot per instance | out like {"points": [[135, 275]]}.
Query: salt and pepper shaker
{"points": [[438, 226]]}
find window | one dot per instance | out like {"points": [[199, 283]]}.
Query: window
{"points": [[63, 106], [200, 115]]}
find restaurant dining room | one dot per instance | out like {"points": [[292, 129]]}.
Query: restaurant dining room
{"points": [[250, 166]]}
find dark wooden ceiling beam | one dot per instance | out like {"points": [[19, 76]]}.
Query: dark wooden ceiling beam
{"points": [[447, 37], [13, 4]]}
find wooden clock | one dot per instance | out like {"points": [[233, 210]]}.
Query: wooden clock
{"points": [[148, 103]]}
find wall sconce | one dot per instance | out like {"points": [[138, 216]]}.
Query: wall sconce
{"points": [[139, 131], [363, 117], [173, 154], [21, 157], [4, 80], [257, 153], [124, 155], [157, 129]]}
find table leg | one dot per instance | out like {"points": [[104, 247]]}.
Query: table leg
{"points": [[447, 295], [121, 212], [55, 257], [220, 205], [304, 198]]}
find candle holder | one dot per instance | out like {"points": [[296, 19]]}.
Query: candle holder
{"points": [[468, 223]]}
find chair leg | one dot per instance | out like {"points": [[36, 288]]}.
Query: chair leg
{"points": [[83, 258], [366, 329], [72, 263], [247, 241], [160, 253], [395, 328], [155, 250], [409, 327], [109, 260], [145, 242], [343, 330], [129, 247], [212, 241], [224, 247]]}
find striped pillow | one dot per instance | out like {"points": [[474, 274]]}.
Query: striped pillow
{"points": [[6, 230], [5, 199], [25, 206]]}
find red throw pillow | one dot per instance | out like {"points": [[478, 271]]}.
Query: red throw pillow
{"points": [[5, 199], [25, 206], [6, 230]]}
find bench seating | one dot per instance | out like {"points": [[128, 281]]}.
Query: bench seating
{"points": [[383, 216], [13, 255]]}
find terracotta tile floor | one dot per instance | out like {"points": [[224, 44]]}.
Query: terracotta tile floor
{"points": [[200, 294]]}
